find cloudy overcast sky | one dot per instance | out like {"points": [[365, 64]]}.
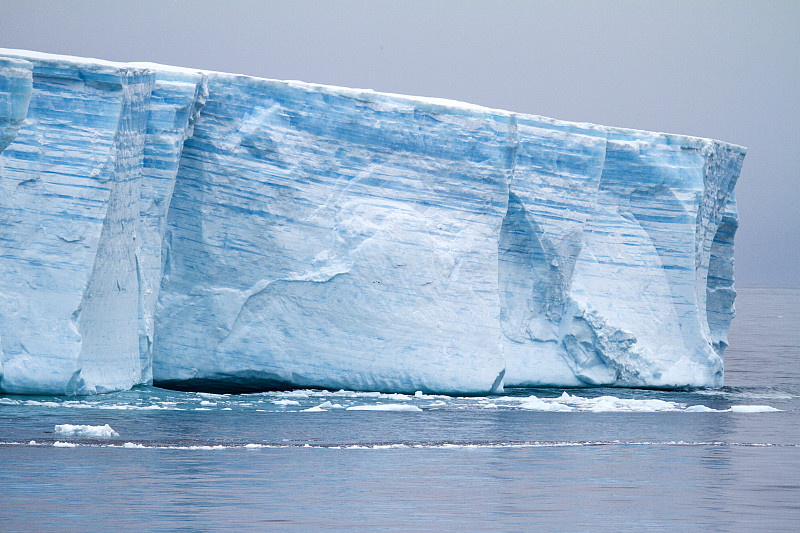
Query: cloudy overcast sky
{"points": [[722, 69]]}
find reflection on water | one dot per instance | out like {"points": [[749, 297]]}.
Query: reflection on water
{"points": [[702, 488]]}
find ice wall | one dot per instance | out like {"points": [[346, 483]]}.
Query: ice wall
{"points": [[320, 238], [219, 232]]}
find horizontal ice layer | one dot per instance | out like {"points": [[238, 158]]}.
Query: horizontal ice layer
{"points": [[341, 238]]}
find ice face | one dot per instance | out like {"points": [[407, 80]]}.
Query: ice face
{"points": [[641, 279], [219, 232], [318, 239], [69, 205]]}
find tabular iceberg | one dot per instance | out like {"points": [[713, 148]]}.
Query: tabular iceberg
{"points": [[212, 231]]}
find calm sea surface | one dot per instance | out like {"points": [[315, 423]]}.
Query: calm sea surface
{"points": [[533, 459]]}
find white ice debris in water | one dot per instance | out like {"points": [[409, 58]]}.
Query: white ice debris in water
{"points": [[225, 233], [536, 404], [601, 404], [285, 402], [320, 401], [608, 404], [700, 409], [324, 406], [385, 407], [103, 431], [753, 409]]}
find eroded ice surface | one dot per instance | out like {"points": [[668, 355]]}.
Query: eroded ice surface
{"points": [[220, 232]]}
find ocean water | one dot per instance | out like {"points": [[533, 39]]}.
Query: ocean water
{"points": [[528, 459]]}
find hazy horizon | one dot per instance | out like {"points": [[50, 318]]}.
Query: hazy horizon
{"points": [[723, 70]]}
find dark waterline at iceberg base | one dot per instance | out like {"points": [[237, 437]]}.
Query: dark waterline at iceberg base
{"points": [[528, 459]]}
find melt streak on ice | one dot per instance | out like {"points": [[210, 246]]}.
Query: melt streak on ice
{"points": [[214, 232]]}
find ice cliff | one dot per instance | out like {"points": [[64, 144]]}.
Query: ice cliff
{"points": [[211, 231]]}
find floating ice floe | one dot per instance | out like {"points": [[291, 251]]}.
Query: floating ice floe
{"points": [[103, 431]]}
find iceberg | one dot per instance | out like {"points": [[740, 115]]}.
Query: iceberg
{"points": [[222, 233]]}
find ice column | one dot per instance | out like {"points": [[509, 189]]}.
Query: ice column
{"points": [[69, 209], [175, 104]]}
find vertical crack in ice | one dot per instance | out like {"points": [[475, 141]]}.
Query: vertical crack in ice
{"points": [[511, 162], [580, 331], [175, 108], [720, 290], [538, 253], [497, 384], [110, 302]]}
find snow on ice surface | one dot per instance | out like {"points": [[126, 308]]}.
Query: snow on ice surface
{"points": [[219, 232]]}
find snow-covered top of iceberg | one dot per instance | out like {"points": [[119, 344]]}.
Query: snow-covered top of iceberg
{"points": [[370, 95]]}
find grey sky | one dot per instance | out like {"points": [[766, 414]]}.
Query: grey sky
{"points": [[722, 69]]}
